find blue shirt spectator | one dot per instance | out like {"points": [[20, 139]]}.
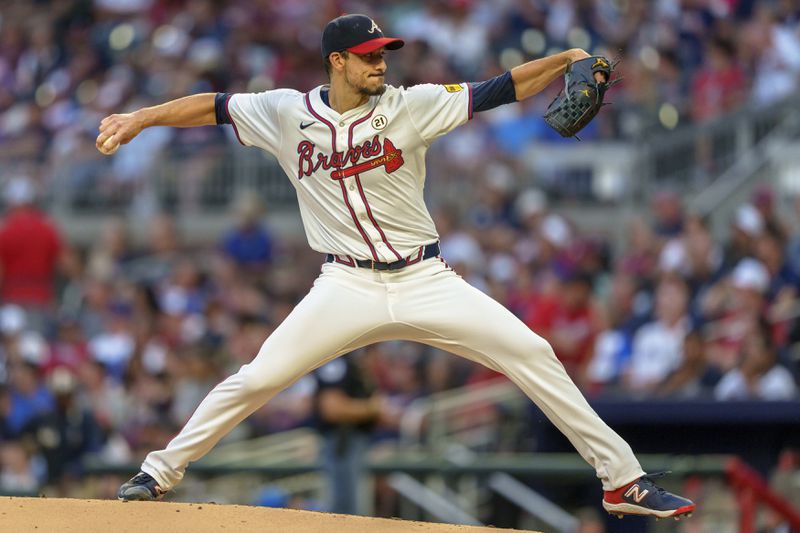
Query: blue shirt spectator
{"points": [[249, 244]]}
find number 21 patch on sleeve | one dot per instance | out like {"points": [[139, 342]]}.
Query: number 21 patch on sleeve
{"points": [[453, 87]]}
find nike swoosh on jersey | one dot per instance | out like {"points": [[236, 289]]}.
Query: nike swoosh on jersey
{"points": [[304, 125]]}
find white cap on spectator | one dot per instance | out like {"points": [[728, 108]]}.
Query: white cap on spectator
{"points": [[502, 268], [205, 53], [555, 229], [673, 257], [749, 220], [32, 348], [19, 190], [62, 381], [463, 249], [154, 357], [500, 177], [110, 348], [174, 301], [12, 319], [750, 274], [530, 202]]}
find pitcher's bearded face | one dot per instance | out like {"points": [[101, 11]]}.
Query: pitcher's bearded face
{"points": [[365, 72]]}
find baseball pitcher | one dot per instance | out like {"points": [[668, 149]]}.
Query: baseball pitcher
{"points": [[355, 152]]}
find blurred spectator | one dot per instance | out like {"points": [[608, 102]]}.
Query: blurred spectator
{"points": [[18, 472], [347, 410], [272, 496], [66, 433], [115, 346], [695, 377], [623, 314], [763, 199], [719, 86], [106, 397], [249, 244], [494, 205], [746, 227], [69, 349], [735, 305], [696, 258], [108, 256], [775, 43], [555, 236], [640, 258], [30, 249], [657, 345], [781, 294], [397, 370], [759, 377], [29, 396], [194, 373], [163, 250], [461, 248], [567, 320], [668, 216]]}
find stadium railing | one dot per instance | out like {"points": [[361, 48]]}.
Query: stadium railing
{"points": [[437, 473], [451, 445]]}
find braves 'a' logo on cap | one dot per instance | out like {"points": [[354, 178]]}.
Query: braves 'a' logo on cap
{"points": [[374, 27]]}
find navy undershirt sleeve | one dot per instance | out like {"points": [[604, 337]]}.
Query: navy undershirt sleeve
{"points": [[221, 109], [491, 93]]}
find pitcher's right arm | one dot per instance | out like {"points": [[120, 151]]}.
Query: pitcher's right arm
{"points": [[186, 112]]}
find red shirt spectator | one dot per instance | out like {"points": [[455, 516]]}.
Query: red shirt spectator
{"points": [[720, 86], [30, 248], [567, 321]]}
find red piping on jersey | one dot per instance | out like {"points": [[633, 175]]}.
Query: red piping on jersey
{"points": [[350, 261], [416, 259], [235, 129], [361, 189], [469, 109], [341, 182]]}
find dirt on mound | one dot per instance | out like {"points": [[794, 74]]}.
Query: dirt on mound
{"points": [[45, 515]]}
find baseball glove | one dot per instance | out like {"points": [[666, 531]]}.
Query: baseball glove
{"points": [[585, 83]]}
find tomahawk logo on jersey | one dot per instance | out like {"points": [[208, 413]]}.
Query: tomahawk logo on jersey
{"points": [[359, 175]]}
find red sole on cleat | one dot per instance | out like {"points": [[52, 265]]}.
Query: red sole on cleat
{"points": [[681, 512], [686, 509]]}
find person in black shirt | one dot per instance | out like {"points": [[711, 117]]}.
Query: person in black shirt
{"points": [[347, 409]]}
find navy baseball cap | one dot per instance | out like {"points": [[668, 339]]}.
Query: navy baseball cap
{"points": [[355, 33]]}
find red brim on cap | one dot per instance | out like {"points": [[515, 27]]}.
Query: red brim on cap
{"points": [[373, 44]]}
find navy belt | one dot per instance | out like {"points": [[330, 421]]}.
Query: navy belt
{"points": [[425, 252]]}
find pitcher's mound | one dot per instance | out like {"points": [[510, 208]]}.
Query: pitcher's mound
{"points": [[44, 515]]}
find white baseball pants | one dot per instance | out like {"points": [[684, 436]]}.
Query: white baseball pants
{"points": [[348, 308]]}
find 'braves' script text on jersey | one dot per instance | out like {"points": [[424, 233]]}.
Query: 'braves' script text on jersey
{"points": [[359, 175]]}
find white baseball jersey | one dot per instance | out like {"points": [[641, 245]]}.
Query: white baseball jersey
{"points": [[360, 175], [359, 178]]}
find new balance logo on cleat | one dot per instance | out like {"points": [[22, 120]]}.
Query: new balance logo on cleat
{"points": [[644, 498], [636, 493]]}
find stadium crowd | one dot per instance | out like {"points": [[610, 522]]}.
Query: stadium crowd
{"points": [[108, 349], [116, 359], [64, 64]]}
